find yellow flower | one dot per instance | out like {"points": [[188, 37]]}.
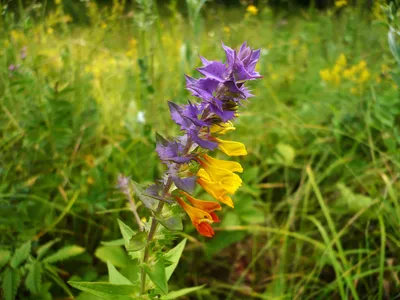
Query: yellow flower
{"points": [[231, 148], [341, 61], [223, 164], [90, 180], [50, 30], [200, 218], [325, 75], [223, 176], [222, 128], [215, 189], [58, 2], [103, 25], [364, 76], [251, 9], [340, 3], [227, 30]]}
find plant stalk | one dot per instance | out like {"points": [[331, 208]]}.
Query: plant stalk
{"points": [[152, 231]]}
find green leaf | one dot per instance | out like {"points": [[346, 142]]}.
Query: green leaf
{"points": [[21, 255], [42, 250], [116, 277], [106, 290], [148, 201], [137, 242], [176, 294], [172, 257], [11, 281], [286, 154], [393, 45], [34, 278], [172, 223], [353, 202], [114, 254], [119, 242], [126, 231], [158, 275], [5, 256], [64, 253]]}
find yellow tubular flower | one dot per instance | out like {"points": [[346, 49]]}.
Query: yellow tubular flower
{"points": [[200, 218], [222, 128], [223, 164], [229, 180], [215, 189], [207, 206], [231, 148]]}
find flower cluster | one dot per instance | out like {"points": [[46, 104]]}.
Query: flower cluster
{"points": [[221, 91]]}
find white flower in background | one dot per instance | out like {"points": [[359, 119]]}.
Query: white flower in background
{"points": [[140, 117], [264, 51]]}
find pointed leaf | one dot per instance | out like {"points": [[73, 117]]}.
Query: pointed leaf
{"points": [[137, 242], [139, 190], [11, 281], [42, 250], [157, 275], [173, 256], [172, 223], [119, 242], [21, 255], [126, 231], [34, 278], [116, 277], [64, 253], [176, 294], [115, 254], [5, 256], [106, 290]]}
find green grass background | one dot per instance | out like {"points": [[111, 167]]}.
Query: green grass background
{"points": [[318, 214]]}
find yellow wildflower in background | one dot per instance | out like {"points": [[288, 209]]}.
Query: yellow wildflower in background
{"points": [[340, 3], [251, 9]]}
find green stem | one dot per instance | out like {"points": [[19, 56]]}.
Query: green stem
{"points": [[150, 237]]}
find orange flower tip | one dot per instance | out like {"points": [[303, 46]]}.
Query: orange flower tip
{"points": [[205, 229], [215, 217]]}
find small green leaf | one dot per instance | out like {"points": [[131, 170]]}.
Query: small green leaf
{"points": [[11, 281], [119, 242], [158, 275], [34, 278], [176, 294], [172, 223], [42, 250], [106, 290], [126, 232], [116, 255], [137, 242], [20, 255], [5, 256], [286, 154], [64, 253], [139, 190], [172, 257], [116, 277]]}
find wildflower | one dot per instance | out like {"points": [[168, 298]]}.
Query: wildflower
{"points": [[364, 76], [341, 61], [340, 3], [251, 9], [221, 91], [227, 30]]}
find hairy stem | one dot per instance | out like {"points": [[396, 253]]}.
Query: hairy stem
{"points": [[152, 231], [154, 224]]}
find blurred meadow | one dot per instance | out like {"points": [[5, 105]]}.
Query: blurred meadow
{"points": [[84, 88]]}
